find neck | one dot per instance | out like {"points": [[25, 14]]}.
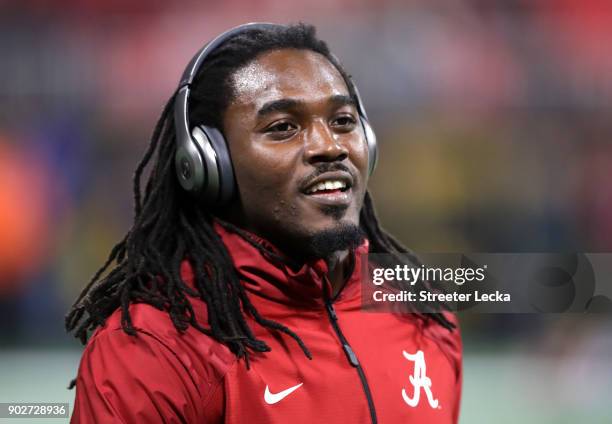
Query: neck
{"points": [[339, 263]]}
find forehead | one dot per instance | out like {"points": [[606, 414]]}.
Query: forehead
{"points": [[286, 73]]}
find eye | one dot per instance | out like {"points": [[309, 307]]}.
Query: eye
{"points": [[281, 130], [344, 123]]}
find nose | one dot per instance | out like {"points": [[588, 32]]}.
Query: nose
{"points": [[322, 145]]}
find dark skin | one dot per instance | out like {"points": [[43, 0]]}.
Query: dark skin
{"points": [[291, 117]]}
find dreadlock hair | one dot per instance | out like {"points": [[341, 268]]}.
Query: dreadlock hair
{"points": [[169, 227]]}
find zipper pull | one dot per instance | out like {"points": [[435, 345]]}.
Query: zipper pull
{"points": [[351, 355]]}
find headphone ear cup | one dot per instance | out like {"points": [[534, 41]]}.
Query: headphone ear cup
{"points": [[204, 167], [189, 166], [371, 141], [208, 188], [225, 185]]}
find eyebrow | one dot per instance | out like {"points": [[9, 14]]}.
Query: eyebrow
{"points": [[283, 105]]}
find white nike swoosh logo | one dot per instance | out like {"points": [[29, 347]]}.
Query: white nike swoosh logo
{"points": [[272, 398]]}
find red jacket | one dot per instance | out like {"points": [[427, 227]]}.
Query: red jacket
{"points": [[394, 367]]}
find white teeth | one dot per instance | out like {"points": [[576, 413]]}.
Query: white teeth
{"points": [[327, 185]]}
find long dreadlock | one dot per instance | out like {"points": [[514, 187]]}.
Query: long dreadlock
{"points": [[168, 228]]}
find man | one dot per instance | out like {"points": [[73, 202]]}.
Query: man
{"points": [[239, 301]]}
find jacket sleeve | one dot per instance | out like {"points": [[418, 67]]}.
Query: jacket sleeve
{"points": [[138, 379]]}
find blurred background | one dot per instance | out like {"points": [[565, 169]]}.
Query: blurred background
{"points": [[493, 120]]}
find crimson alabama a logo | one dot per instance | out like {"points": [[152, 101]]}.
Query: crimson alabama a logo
{"points": [[419, 380]]}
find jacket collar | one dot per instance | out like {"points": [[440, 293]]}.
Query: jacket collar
{"points": [[264, 273]]}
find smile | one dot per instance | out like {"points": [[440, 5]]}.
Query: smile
{"points": [[327, 187], [333, 188]]}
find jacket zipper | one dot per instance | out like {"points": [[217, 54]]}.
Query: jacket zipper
{"points": [[352, 358]]}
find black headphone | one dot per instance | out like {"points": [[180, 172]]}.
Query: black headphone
{"points": [[202, 161]]}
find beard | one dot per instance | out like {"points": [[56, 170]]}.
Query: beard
{"points": [[296, 240], [342, 237]]}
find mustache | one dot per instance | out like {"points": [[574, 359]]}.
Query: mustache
{"points": [[323, 168]]}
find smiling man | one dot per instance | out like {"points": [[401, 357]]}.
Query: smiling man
{"points": [[235, 296], [297, 120]]}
